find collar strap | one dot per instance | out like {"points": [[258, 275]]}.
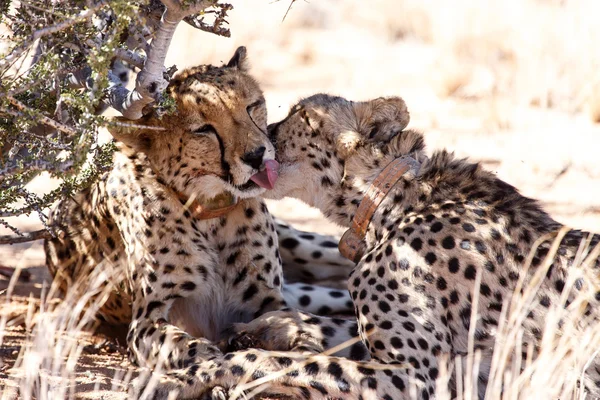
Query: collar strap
{"points": [[217, 207], [352, 244]]}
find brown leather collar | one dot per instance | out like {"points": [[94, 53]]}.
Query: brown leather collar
{"points": [[352, 244], [215, 208]]}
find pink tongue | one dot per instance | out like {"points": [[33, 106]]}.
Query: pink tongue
{"points": [[267, 177]]}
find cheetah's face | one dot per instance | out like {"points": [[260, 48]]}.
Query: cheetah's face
{"points": [[216, 141], [315, 140]]}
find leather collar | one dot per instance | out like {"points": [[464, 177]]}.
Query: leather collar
{"points": [[218, 206], [352, 244]]}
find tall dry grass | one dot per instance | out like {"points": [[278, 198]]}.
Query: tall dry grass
{"points": [[555, 367], [45, 367], [56, 330]]}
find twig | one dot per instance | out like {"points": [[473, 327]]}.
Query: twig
{"points": [[288, 9], [151, 81], [82, 16], [26, 237], [35, 165], [42, 118]]}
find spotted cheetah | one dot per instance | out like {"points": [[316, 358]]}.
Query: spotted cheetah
{"points": [[183, 256], [443, 225]]}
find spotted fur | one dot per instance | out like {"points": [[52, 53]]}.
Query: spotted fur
{"points": [[436, 231], [174, 279]]}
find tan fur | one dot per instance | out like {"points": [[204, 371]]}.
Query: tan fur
{"points": [[178, 281]]}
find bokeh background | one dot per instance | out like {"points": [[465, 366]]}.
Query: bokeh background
{"points": [[514, 84]]}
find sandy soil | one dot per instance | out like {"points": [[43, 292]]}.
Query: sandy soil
{"points": [[492, 86]]}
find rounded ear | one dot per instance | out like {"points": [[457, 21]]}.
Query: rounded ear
{"points": [[239, 60], [381, 118], [375, 120], [133, 133]]}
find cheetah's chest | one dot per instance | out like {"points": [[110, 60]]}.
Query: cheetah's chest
{"points": [[209, 313]]}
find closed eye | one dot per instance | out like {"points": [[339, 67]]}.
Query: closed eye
{"points": [[258, 120], [253, 105], [205, 130]]}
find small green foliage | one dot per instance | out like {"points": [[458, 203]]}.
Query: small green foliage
{"points": [[49, 121], [167, 104], [58, 65]]}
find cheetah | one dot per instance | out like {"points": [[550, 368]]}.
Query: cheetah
{"points": [[445, 224], [176, 227]]}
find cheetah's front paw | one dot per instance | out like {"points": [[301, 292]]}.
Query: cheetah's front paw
{"points": [[276, 331], [216, 393], [239, 341]]}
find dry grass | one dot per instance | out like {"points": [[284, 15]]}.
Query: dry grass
{"points": [[56, 332], [46, 365], [515, 83], [570, 339]]}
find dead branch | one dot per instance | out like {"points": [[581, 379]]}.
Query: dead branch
{"points": [[197, 21], [40, 33], [25, 237]]}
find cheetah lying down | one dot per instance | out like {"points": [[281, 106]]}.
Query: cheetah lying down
{"points": [[178, 237], [445, 224]]}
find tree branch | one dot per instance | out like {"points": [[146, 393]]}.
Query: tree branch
{"points": [[151, 82], [82, 16], [26, 237], [42, 118], [131, 57]]}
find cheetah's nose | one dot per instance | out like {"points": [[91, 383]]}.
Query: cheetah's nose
{"points": [[254, 158]]}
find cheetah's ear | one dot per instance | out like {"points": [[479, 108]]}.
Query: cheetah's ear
{"points": [[372, 121], [381, 118], [132, 133], [239, 60]]}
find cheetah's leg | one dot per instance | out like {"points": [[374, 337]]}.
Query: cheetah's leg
{"points": [[292, 330], [407, 343], [311, 257], [154, 342], [287, 375], [317, 299]]}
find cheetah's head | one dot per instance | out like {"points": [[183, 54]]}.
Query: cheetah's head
{"points": [[325, 140], [216, 141]]}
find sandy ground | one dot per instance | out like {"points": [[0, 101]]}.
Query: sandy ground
{"points": [[493, 84]]}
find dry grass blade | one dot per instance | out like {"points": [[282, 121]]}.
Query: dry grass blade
{"points": [[570, 338], [47, 363]]}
